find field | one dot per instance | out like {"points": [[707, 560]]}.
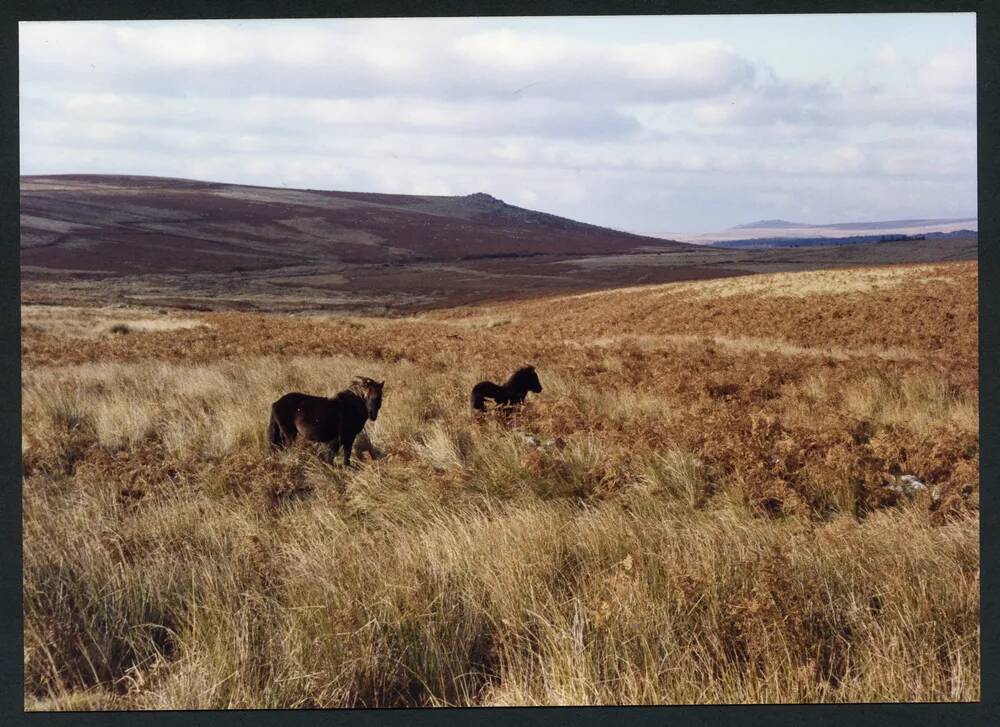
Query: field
{"points": [[710, 502]]}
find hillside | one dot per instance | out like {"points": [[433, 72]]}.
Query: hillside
{"points": [[185, 244], [120, 224]]}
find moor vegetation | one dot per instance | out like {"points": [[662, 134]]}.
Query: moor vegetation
{"points": [[704, 505]]}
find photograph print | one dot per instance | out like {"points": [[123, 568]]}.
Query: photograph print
{"points": [[507, 361]]}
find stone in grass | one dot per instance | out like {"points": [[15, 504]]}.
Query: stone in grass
{"points": [[533, 441], [910, 486]]}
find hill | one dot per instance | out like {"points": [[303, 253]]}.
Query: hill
{"points": [[122, 224], [204, 245]]}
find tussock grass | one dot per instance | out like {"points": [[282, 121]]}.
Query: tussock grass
{"points": [[677, 475], [444, 447], [531, 603], [68, 321], [923, 403]]}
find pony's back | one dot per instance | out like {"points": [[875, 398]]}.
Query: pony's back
{"points": [[479, 393]]}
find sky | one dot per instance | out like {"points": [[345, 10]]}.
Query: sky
{"points": [[651, 124]]}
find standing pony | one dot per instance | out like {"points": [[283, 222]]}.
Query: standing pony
{"points": [[335, 421], [511, 393]]}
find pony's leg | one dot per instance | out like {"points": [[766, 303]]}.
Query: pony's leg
{"points": [[334, 445], [374, 452], [362, 444], [347, 442], [273, 433], [282, 438]]}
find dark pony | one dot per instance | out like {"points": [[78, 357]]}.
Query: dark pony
{"points": [[508, 394], [336, 421]]}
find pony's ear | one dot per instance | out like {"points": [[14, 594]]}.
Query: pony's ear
{"points": [[380, 384]]}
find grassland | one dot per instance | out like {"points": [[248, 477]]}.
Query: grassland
{"points": [[703, 506]]}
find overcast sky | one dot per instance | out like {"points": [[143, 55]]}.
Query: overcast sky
{"points": [[649, 124]]}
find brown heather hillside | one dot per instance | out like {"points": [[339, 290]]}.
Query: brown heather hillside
{"points": [[91, 239], [703, 505], [129, 224]]}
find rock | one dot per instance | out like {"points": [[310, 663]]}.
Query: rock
{"points": [[908, 486], [533, 441], [913, 482]]}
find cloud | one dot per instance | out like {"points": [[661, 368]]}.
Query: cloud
{"points": [[887, 55], [950, 70], [772, 102], [648, 72], [185, 58], [697, 132], [276, 115]]}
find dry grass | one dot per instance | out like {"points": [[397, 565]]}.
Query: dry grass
{"points": [[484, 322], [750, 345], [799, 285], [706, 519], [921, 402], [71, 322]]}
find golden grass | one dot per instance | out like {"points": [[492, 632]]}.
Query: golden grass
{"points": [[706, 521], [748, 344], [536, 603], [793, 285], [922, 403], [817, 282], [473, 322], [68, 321]]}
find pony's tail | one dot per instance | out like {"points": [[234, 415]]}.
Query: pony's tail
{"points": [[476, 399], [274, 432]]}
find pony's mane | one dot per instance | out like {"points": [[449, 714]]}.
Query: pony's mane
{"points": [[522, 377], [363, 386]]}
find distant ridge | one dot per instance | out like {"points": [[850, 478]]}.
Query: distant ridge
{"points": [[883, 224], [770, 230], [760, 243], [775, 224]]}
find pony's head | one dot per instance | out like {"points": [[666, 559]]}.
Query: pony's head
{"points": [[526, 379], [371, 391]]}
